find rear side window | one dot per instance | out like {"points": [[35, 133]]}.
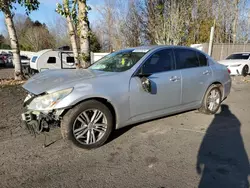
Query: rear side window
{"points": [[239, 56], [186, 58], [159, 62], [202, 59]]}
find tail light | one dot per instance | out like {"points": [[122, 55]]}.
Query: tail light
{"points": [[228, 70]]}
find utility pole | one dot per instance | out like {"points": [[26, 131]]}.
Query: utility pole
{"points": [[210, 47]]}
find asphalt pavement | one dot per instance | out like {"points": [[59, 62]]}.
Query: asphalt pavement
{"points": [[180, 151]]}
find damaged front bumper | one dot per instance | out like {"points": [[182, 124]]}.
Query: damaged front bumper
{"points": [[37, 122], [40, 121], [42, 110]]}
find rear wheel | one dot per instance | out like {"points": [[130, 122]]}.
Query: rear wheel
{"points": [[212, 100], [245, 70], [88, 125]]}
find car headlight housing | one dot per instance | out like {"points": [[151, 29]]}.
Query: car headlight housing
{"points": [[48, 101], [235, 65]]}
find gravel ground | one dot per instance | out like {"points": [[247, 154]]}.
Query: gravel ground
{"points": [[185, 150], [6, 73]]}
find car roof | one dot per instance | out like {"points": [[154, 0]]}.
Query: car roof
{"points": [[241, 53], [151, 47]]}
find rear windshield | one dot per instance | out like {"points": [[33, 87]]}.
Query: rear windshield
{"points": [[238, 56]]}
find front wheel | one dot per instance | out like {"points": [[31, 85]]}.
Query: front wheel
{"points": [[212, 100], [245, 70], [88, 125]]}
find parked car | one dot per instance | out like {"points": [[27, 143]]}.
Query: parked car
{"points": [[238, 63], [3, 60], [25, 61], [125, 87], [9, 58]]}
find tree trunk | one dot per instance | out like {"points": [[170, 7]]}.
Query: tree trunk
{"points": [[84, 33], [14, 44], [72, 35], [235, 21]]}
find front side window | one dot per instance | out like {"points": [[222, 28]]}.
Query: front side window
{"points": [[159, 62], [239, 56], [186, 58], [119, 61]]}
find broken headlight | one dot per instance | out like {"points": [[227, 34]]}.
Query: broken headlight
{"points": [[47, 102]]}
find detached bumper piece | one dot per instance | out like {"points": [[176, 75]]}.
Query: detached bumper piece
{"points": [[37, 122], [31, 123]]}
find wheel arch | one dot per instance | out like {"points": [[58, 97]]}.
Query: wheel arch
{"points": [[215, 83], [220, 86], [103, 100]]}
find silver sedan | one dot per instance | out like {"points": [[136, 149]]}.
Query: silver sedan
{"points": [[125, 87]]}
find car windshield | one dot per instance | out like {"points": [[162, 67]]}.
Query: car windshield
{"points": [[119, 61], [238, 56]]}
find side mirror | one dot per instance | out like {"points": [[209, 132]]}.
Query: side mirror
{"points": [[146, 84]]}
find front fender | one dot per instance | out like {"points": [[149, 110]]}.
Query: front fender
{"points": [[119, 101]]}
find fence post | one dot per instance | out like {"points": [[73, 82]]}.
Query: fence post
{"points": [[211, 41]]}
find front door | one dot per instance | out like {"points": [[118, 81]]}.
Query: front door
{"points": [[166, 87]]}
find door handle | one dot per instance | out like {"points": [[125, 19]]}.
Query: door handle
{"points": [[174, 79], [206, 72]]}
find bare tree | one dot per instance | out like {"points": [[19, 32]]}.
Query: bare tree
{"points": [[235, 18], [131, 27], [170, 22], [38, 38], [58, 28], [112, 16], [65, 11], [6, 7], [83, 28], [165, 22]]}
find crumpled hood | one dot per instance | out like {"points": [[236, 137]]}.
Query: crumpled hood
{"points": [[231, 62], [50, 79]]}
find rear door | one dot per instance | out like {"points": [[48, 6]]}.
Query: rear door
{"points": [[196, 74]]}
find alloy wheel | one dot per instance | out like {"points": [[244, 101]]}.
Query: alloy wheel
{"points": [[90, 126], [213, 100]]}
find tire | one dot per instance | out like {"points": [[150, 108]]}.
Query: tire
{"points": [[73, 118], [245, 70], [206, 107]]}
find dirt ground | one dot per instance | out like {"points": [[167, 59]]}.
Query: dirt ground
{"points": [[184, 150], [6, 73]]}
